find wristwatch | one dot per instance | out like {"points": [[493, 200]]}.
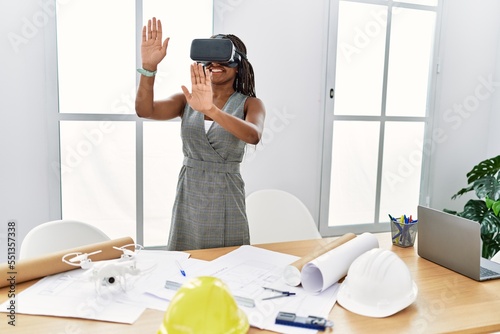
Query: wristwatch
{"points": [[146, 73]]}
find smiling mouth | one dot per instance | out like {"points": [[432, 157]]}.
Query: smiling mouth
{"points": [[216, 70]]}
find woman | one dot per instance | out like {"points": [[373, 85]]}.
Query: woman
{"points": [[219, 117]]}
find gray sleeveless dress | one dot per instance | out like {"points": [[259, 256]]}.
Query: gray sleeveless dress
{"points": [[209, 209]]}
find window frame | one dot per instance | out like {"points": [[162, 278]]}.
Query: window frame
{"points": [[55, 117], [329, 118]]}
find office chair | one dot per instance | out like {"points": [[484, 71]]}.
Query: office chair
{"points": [[58, 235], [276, 215]]}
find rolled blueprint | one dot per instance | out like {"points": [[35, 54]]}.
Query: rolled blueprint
{"points": [[49, 264], [327, 269], [291, 274]]}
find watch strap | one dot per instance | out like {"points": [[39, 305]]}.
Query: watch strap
{"points": [[146, 73]]}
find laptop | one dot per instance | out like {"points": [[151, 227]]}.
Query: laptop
{"points": [[455, 243]]}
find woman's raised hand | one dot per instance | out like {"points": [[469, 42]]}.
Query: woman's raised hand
{"points": [[200, 98], [153, 50]]}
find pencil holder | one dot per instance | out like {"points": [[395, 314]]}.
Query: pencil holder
{"points": [[403, 234]]}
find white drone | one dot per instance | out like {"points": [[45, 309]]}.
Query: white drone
{"points": [[108, 272]]}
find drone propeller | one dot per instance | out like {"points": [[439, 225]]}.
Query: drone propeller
{"points": [[82, 258], [127, 253]]}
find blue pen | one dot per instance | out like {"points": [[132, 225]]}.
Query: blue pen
{"points": [[180, 268], [290, 319]]}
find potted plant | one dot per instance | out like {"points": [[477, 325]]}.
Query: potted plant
{"points": [[484, 179]]}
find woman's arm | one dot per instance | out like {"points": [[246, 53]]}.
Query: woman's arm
{"points": [[248, 130], [166, 109], [201, 99], [153, 50]]}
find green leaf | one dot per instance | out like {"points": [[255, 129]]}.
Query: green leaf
{"points": [[490, 225], [474, 210], [490, 234], [488, 167], [451, 212], [484, 179], [487, 186], [490, 249], [462, 191], [489, 202], [496, 208]]}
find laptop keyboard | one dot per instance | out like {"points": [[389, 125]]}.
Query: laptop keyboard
{"points": [[487, 273]]}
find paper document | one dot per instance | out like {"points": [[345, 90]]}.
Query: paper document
{"points": [[74, 293], [247, 270], [293, 270], [329, 268], [70, 294], [156, 264], [156, 285]]}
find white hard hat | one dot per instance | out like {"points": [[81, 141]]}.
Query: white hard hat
{"points": [[378, 284]]}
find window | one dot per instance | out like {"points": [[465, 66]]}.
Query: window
{"points": [[375, 120], [117, 171]]}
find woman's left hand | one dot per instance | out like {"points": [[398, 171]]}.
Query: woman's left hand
{"points": [[201, 97]]}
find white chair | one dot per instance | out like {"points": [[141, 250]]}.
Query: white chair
{"points": [[276, 215], [496, 257], [58, 235]]}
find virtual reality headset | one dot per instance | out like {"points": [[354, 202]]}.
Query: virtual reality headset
{"points": [[216, 50]]}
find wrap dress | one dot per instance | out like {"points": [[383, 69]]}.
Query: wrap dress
{"points": [[209, 209]]}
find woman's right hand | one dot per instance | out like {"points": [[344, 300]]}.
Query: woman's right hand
{"points": [[152, 48]]}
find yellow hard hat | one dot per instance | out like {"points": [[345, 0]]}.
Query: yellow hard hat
{"points": [[204, 305]]}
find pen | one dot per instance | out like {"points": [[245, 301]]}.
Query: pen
{"points": [[180, 268], [281, 293], [275, 290], [290, 319], [279, 296]]}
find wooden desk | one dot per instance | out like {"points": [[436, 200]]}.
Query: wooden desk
{"points": [[446, 302]]}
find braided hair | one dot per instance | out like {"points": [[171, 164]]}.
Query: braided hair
{"points": [[245, 79]]}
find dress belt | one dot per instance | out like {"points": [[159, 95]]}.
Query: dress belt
{"points": [[210, 166]]}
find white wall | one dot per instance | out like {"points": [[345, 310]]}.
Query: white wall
{"points": [[493, 133], [23, 128], [469, 51], [288, 52], [286, 43], [467, 108]]}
